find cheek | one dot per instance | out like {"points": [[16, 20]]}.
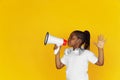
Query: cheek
{"points": [[72, 42]]}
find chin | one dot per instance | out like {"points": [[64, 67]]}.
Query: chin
{"points": [[69, 45]]}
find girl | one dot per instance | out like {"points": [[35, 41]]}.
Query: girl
{"points": [[76, 57]]}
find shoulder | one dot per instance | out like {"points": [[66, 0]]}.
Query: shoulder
{"points": [[67, 51], [88, 52]]}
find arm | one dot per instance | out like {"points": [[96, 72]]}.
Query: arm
{"points": [[100, 61], [100, 46], [58, 62]]}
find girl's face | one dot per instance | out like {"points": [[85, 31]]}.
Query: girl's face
{"points": [[73, 41]]}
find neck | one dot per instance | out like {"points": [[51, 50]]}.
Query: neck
{"points": [[75, 47]]}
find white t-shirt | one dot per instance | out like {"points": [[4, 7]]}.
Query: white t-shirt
{"points": [[76, 62]]}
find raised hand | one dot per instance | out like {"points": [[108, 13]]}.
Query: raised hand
{"points": [[100, 42]]}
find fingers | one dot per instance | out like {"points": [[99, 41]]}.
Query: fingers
{"points": [[55, 47], [101, 41], [95, 43], [101, 38]]}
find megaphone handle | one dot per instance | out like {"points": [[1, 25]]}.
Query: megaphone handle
{"points": [[56, 50]]}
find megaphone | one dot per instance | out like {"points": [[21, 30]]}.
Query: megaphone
{"points": [[49, 39]]}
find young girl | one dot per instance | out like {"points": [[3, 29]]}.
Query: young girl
{"points": [[76, 57]]}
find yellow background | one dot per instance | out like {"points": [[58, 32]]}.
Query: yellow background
{"points": [[24, 23]]}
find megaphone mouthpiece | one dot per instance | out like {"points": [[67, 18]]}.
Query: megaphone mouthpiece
{"points": [[64, 42]]}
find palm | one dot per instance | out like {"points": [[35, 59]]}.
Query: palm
{"points": [[101, 41]]}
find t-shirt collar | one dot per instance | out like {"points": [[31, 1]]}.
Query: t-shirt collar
{"points": [[77, 51]]}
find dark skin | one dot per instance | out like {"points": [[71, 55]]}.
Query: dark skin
{"points": [[74, 42]]}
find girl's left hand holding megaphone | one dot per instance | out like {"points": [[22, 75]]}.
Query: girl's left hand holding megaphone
{"points": [[56, 47]]}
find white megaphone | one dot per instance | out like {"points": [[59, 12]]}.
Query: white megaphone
{"points": [[49, 39]]}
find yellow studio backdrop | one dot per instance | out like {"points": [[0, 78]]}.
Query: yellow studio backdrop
{"points": [[24, 23]]}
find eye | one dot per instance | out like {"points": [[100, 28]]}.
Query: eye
{"points": [[73, 38]]}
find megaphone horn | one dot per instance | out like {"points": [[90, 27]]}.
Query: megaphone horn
{"points": [[49, 39], [46, 38]]}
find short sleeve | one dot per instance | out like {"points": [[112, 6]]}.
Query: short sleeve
{"points": [[91, 57], [64, 58]]}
